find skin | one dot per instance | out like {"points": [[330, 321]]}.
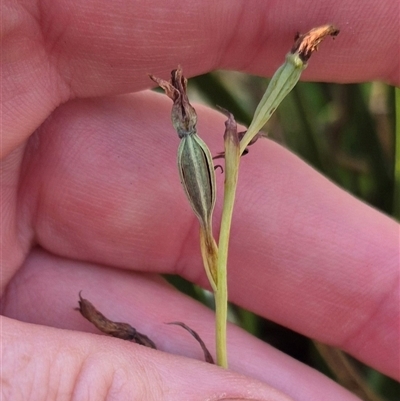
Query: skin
{"points": [[91, 201]]}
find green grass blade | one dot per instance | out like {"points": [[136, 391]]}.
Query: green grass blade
{"points": [[396, 197]]}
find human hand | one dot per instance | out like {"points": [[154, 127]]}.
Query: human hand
{"points": [[91, 201]]}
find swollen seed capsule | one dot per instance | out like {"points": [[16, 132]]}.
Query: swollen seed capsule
{"points": [[197, 176]]}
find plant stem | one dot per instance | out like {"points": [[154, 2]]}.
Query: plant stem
{"points": [[221, 295], [280, 85], [221, 315]]}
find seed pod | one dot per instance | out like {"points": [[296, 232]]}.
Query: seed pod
{"points": [[285, 78], [197, 176], [195, 168], [195, 164]]}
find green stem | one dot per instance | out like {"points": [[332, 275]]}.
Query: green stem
{"points": [[221, 315], [221, 295]]}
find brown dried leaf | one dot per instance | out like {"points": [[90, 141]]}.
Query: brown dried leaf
{"points": [[169, 89], [184, 117], [123, 331], [207, 355], [308, 43]]}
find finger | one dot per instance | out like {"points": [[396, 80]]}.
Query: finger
{"points": [[46, 290], [71, 49], [43, 362], [297, 240]]}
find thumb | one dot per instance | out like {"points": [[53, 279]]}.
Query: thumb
{"points": [[43, 363]]}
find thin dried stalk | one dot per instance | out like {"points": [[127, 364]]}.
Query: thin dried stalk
{"points": [[207, 355]]}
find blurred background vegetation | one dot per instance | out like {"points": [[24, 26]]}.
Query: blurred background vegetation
{"points": [[348, 133]]}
